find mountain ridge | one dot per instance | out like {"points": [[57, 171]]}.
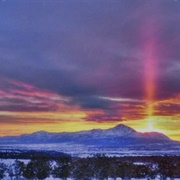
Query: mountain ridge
{"points": [[120, 135], [117, 127]]}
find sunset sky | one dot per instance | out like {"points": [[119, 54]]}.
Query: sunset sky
{"points": [[78, 65]]}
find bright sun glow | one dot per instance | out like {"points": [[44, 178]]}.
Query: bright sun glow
{"points": [[150, 126]]}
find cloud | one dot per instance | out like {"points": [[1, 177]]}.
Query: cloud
{"points": [[167, 109], [91, 102], [119, 112], [58, 56], [18, 96]]}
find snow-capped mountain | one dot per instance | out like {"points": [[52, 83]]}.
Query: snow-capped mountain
{"points": [[117, 136], [121, 130]]}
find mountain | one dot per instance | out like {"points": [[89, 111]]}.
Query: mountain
{"points": [[117, 136]]}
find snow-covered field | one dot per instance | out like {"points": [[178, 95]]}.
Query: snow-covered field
{"points": [[11, 161], [84, 151]]}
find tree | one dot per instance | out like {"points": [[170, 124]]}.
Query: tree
{"points": [[166, 167], [28, 171], [177, 170], [125, 170], [18, 169], [10, 171], [42, 168], [152, 170], [82, 169], [113, 168], [37, 169], [2, 170], [140, 171], [62, 168], [101, 166]]}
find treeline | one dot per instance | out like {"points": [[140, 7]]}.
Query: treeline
{"points": [[98, 167], [31, 154]]}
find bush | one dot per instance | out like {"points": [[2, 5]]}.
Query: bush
{"points": [[37, 168]]}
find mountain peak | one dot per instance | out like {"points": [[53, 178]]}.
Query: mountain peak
{"points": [[120, 126], [121, 130], [123, 127], [40, 133]]}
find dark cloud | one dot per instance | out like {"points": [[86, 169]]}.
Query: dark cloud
{"points": [[13, 101], [93, 102], [106, 116], [22, 104], [85, 50], [20, 97], [167, 109], [27, 120], [116, 115], [119, 111], [27, 108]]}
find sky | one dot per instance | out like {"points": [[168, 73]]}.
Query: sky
{"points": [[84, 64]]}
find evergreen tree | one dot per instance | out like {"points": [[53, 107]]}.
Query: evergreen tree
{"points": [[28, 171], [82, 169], [18, 169], [125, 170], [62, 168], [2, 170], [113, 168], [37, 169], [101, 167], [166, 167], [140, 171]]}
